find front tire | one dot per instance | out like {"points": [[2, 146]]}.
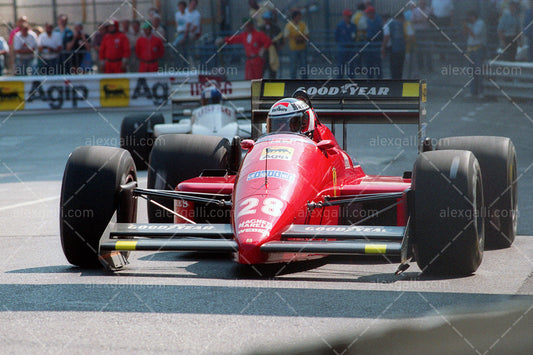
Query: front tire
{"points": [[90, 196], [178, 157], [448, 225]]}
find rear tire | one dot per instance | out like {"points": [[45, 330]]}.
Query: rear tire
{"points": [[90, 196], [448, 225], [136, 136], [497, 159], [178, 157]]}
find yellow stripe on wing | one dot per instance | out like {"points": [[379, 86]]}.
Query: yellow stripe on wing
{"points": [[274, 89], [375, 248], [411, 90], [125, 245]]}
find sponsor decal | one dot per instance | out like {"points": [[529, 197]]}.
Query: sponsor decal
{"points": [[334, 176], [224, 87], [351, 89], [170, 227], [271, 174], [279, 108], [256, 223], [277, 152], [114, 92], [57, 95], [11, 95], [158, 92], [347, 229]]}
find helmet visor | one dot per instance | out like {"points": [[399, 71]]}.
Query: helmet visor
{"points": [[286, 123]]}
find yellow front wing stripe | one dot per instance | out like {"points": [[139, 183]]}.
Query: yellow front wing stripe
{"points": [[125, 245], [375, 248]]}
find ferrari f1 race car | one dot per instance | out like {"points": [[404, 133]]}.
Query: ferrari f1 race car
{"points": [[218, 115], [296, 194]]}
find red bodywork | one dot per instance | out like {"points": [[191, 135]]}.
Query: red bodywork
{"points": [[278, 177]]}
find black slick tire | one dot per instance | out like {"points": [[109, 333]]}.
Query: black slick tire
{"points": [[90, 196], [448, 226], [137, 138]]}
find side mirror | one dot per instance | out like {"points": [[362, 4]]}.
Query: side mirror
{"points": [[325, 145], [247, 144]]}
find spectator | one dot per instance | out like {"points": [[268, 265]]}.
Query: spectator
{"points": [[79, 47], [4, 50], [115, 50], [149, 49], [394, 45], [255, 44], [97, 40], [224, 15], [135, 33], [49, 46], [410, 45], [37, 30], [193, 29], [258, 9], [420, 20], [66, 37], [528, 30], [180, 43], [374, 36], [476, 31], [157, 29], [25, 45], [508, 31], [443, 11], [359, 19], [14, 31], [345, 36], [297, 32], [273, 32]]}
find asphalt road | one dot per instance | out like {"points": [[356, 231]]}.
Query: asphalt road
{"points": [[186, 303]]}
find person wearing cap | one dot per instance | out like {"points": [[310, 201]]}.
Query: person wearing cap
{"points": [[149, 49], [273, 31], [25, 46], [115, 49], [374, 37], [345, 36], [255, 45]]}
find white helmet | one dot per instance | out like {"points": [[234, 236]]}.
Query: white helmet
{"points": [[291, 115]]}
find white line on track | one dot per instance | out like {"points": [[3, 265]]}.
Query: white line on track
{"points": [[29, 203]]}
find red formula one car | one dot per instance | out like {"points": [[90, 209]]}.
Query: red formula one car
{"points": [[297, 194]]}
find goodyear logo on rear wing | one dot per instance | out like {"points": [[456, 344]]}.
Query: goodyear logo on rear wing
{"points": [[343, 89], [349, 229], [277, 152]]}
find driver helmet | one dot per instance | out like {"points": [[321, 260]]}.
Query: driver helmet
{"points": [[211, 95], [291, 115]]}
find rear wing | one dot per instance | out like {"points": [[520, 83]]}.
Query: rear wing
{"points": [[186, 95], [348, 101]]}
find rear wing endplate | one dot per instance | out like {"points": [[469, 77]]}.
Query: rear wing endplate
{"points": [[348, 101]]}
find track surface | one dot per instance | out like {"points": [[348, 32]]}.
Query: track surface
{"points": [[179, 302]]}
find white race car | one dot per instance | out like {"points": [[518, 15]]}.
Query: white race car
{"points": [[139, 131]]}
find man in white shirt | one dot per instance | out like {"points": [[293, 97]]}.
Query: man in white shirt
{"points": [[476, 31], [25, 45], [49, 45], [193, 25], [180, 43]]}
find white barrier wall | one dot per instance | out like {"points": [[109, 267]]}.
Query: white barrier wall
{"points": [[92, 91]]}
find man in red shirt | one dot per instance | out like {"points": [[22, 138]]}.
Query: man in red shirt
{"points": [[255, 44], [149, 49], [115, 49]]}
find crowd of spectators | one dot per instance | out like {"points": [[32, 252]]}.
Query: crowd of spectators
{"points": [[363, 40]]}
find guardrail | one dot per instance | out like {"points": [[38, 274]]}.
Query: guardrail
{"points": [[508, 79]]}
